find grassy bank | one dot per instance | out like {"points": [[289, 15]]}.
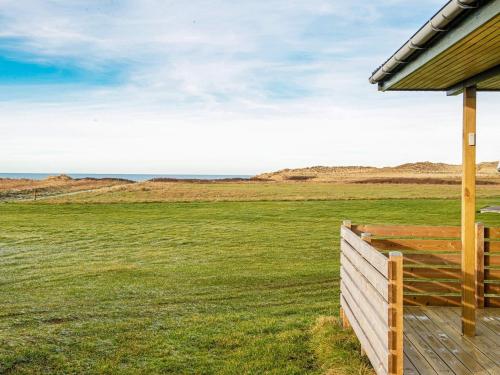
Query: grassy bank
{"points": [[269, 191], [229, 287]]}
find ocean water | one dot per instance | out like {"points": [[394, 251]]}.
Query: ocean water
{"points": [[133, 177]]}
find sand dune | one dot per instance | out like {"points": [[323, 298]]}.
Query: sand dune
{"points": [[23, 188], [425, 172]]}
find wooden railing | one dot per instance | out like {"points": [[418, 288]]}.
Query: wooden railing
{"points": [[432, 262], [372, 300], [490, 282], [385, 267]]}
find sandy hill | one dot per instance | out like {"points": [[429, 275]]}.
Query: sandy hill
{"points": [[432, 172], [20, 188]]}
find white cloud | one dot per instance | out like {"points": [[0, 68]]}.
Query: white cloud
{"points": [[219, 86]]}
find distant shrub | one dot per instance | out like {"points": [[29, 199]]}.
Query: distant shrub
{"points": [[197, 180], [414, 180], [300, 178]]}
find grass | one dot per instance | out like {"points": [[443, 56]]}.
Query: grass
{"points": [[268, 191], [188, 288], [17, 189]]}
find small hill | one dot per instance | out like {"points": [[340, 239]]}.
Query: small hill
{"points": [[437, 172], [61, 177], [22, 188]]}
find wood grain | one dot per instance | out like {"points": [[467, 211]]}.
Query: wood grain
{"points": [[409, 230], [417, 244], [378, 281], [374, 257], [468, 213], [395, 312]]}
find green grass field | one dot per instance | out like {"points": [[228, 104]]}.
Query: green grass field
{"points": [[188, 288]]}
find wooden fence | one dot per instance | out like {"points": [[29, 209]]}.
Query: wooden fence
{"points": [[432, 262], [385, 267], [489, 278], [372, 300]]}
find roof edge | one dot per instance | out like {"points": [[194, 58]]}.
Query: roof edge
{"points": [[436, 25]]}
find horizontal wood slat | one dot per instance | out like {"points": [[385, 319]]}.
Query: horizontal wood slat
{"points": [[418, 300], [409, 230], [492, 301], [492, 275], [427, 287], [372, 255], [374, 332], [377, 308], [379, 364], [492, 233], [433, 259], [493, 260], [362, 282], [432, 273], [422, 245], [492, 289], [492, 246], [378, 281]]}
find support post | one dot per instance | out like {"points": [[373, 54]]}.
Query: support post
{"points": [[345, 321], [469, 212], [395, 313], [479, 265], [343, 316], [367, 237]]}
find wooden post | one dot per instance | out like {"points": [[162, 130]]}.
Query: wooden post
{"points": [[479, 265], [395, 313], [343, 316], [345, 321], [469, 212], [367, 237]]}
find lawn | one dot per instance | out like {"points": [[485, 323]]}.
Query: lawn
{"points": [[188, 288]]}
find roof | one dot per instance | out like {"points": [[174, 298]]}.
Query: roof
{"points": [[458, 47]]}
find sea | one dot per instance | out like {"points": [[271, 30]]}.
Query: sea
{"points": [[127, 176]]}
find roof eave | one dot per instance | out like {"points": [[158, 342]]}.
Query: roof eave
{"points": [[459, 31]]}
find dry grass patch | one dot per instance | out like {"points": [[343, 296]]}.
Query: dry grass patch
{"points": [[266, 191], [22, 188]]}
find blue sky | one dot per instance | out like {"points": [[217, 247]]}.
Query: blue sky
{"points": [[215, 87]]}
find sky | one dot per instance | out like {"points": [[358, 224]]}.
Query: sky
{"points": [[217, 87]]}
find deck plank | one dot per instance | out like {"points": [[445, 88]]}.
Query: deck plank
{"points": [[484, 340], [491, 322], [442, 322], [434, 343], [417, 359], [437, 346], [483, 329], [423, 346], [408, 367], [466, 356]]}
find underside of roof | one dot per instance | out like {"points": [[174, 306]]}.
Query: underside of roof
{"points": [[468, 53]]}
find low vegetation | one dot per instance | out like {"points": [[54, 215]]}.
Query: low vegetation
{"points": [[22, 188], [418, 172], [265, 191], [193, 288], [315, 183]]}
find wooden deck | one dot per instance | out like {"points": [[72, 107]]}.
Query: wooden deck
{"points": [[433, 343]]}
